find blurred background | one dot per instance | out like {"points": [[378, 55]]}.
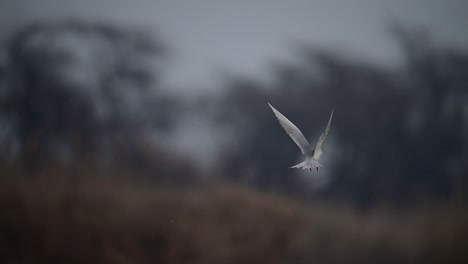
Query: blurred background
{"points": [[139, 131]]}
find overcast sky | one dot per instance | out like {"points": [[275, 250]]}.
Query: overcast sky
{"points": [[208, 37], [213, 36]]}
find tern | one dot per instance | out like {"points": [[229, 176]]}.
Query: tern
{"points": [[313, 154]]}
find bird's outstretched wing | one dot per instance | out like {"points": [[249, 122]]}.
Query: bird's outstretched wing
{"points": [[293, 132], [318, 147]]}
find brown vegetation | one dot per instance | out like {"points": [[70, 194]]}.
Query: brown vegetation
{"points": [[60, 219]]}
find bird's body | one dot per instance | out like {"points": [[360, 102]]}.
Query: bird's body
{"points": [[313, 154]]}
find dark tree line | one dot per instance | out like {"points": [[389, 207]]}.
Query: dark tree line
{"points": [[72, 90], [401, 134]]}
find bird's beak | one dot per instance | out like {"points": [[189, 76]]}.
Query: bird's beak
{"points": [[316, 168]]}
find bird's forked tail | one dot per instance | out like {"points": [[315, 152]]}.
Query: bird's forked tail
{"points": [[308, 163], [298, 166]]}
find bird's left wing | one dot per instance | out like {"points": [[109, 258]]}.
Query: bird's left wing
{"points": [[324, 135], [293, 132]]}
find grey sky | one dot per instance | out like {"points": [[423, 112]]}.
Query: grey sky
{"points": [[209, 36], [213, 36]]}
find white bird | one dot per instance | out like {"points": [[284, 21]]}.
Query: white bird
{"points": [[313, 154]]}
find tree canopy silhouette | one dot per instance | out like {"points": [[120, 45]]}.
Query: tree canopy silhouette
{"points": [[401, 133], [72, 88]]}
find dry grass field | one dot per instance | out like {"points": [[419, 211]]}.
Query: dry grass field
{"points": [[54, 218]]}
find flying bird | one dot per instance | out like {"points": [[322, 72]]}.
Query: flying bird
{"points": [[313, 154]]}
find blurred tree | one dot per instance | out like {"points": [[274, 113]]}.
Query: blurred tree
{"points": [[401, 134], [439, 79], [72, 89]]}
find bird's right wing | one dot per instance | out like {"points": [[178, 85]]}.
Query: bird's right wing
{"points": [[293, 132], [324, 135]]}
